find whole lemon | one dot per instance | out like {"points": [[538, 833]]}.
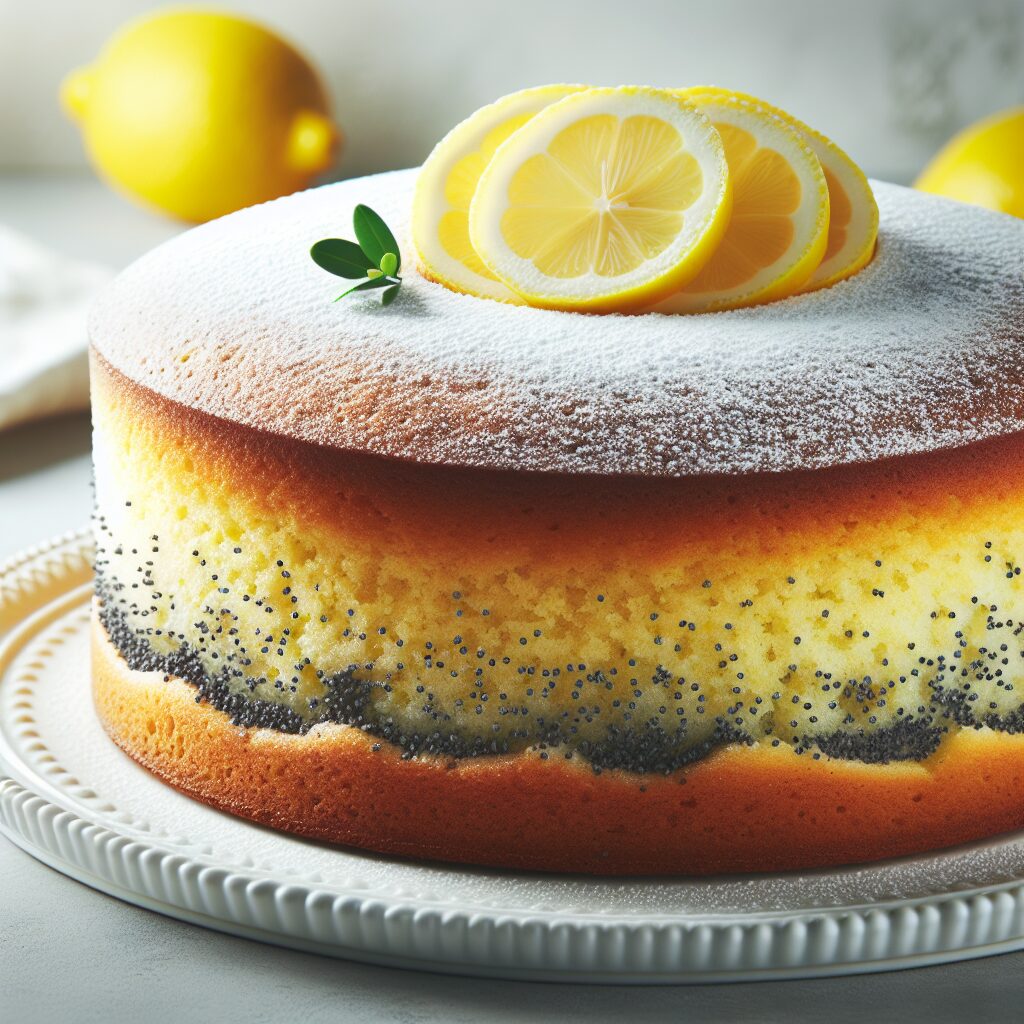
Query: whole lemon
{"points": [[983, 165], [200, 113]]}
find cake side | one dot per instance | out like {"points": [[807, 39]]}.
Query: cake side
{"points": [[347, 611]]}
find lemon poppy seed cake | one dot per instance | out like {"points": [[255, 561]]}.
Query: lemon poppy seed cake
{"points": [[488, 583]]}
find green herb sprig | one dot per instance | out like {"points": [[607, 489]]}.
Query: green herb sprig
{"points": [[374, 262]]}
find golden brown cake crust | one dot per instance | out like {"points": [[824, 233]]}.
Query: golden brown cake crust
{"points": [[446, 512], [742, 809]]}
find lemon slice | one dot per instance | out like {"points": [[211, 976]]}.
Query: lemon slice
{"points": [[447, 181], [853, 212], [608, 200], [779, 228]]}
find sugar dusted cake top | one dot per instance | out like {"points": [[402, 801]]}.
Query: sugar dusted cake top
{"points": [[922, 350]]}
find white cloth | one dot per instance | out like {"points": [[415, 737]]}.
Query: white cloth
{"points": [[44, 298]]}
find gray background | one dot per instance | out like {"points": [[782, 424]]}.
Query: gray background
{"points": [[890, 80]]}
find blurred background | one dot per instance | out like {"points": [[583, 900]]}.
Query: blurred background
{"points": [[890, 80]]}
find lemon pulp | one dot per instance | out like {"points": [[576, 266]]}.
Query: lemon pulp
{"points": [[766, 194], [607, 196], [780, 219], [448, 181], [453, 230]]}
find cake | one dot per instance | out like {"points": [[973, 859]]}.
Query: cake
{"points": [[524, 588]]}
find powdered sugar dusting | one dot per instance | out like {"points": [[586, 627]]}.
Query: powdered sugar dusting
{"points": [[922, 350]]}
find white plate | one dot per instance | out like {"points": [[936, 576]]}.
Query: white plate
{"points": [[69, 797]]}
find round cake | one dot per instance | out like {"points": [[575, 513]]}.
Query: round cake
{"points": [[475, 582]]}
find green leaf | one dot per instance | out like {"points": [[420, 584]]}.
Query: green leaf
{"points": [[389, 263], [389, 296], [365, 286], [342, 258], [374, 235]]}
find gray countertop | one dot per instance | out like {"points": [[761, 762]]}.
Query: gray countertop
{"points": [[68, 953]]}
